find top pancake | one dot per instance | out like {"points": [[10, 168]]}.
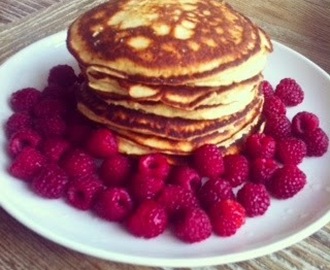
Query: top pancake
{"points": [[170, 42]]}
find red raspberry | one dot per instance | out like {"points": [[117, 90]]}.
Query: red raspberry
{"points": [[176, 198], [17, 122], [193, 226], [317, 142], [208, 161], [262, 170], [279, 127], [21, 139], [53, 91], [78, 133], [54, 148], [274, 106], [49, 108], [102, 143], [24, 99], [66, 95], [62, 75], [155, 165], [260, 145], [215, 190], [227, 216], [82, 192], [290, 92], [286, 182], [186, 177], [148, 221], [236, 169], [77, 163], [27, 164], [267, 89], [304, 122], [254, 198], [50, 182], [146, 186], [291, 150], [116, 170], [113, 204], [53, 126]]}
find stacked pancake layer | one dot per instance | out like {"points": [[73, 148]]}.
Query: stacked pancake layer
{"points": [[170, 76]]}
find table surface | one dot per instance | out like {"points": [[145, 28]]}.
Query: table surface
{"points": [[302, 25]]}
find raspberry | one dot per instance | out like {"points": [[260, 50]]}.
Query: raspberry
{"points": [[82, 192], [286, 182], [77, 163], [62, 75], [50, 126], [290, 92], [215, 190], [291, 151], [186, 177], [102, 143], [78, 133], [116, 170], [254, 198], [260, 145], [51, 182], [148, 221], [54, 148], [236, 169], [273, 106], [146, 186], [24, 99], [155, 165], [57, 92], [54, 91], [113, 204], [279, 127], [304, 122], [49, 108], [21, 139], [176, 198], [267, 89], [227, 216], [208, 161], [317, 142], [262, 170], [17, 122], [193, 226], [27, 164]]}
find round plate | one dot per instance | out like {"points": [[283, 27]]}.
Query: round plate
{"points": [[286, 222]]}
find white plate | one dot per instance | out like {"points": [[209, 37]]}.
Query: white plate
{"points": [[286, 223]]}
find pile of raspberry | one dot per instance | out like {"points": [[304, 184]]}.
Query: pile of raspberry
{"points": [[61, 154]]}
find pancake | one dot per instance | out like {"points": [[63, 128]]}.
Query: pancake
{"points": [[126, 119], [171, 42], [181, 97], [224, 137], [200, 113]]}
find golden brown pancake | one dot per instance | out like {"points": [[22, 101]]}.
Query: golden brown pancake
{"points": [[121, 118], [181, 97], [170, 42]]}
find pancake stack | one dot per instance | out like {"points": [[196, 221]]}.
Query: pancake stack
{"points": [[168, 76]]}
